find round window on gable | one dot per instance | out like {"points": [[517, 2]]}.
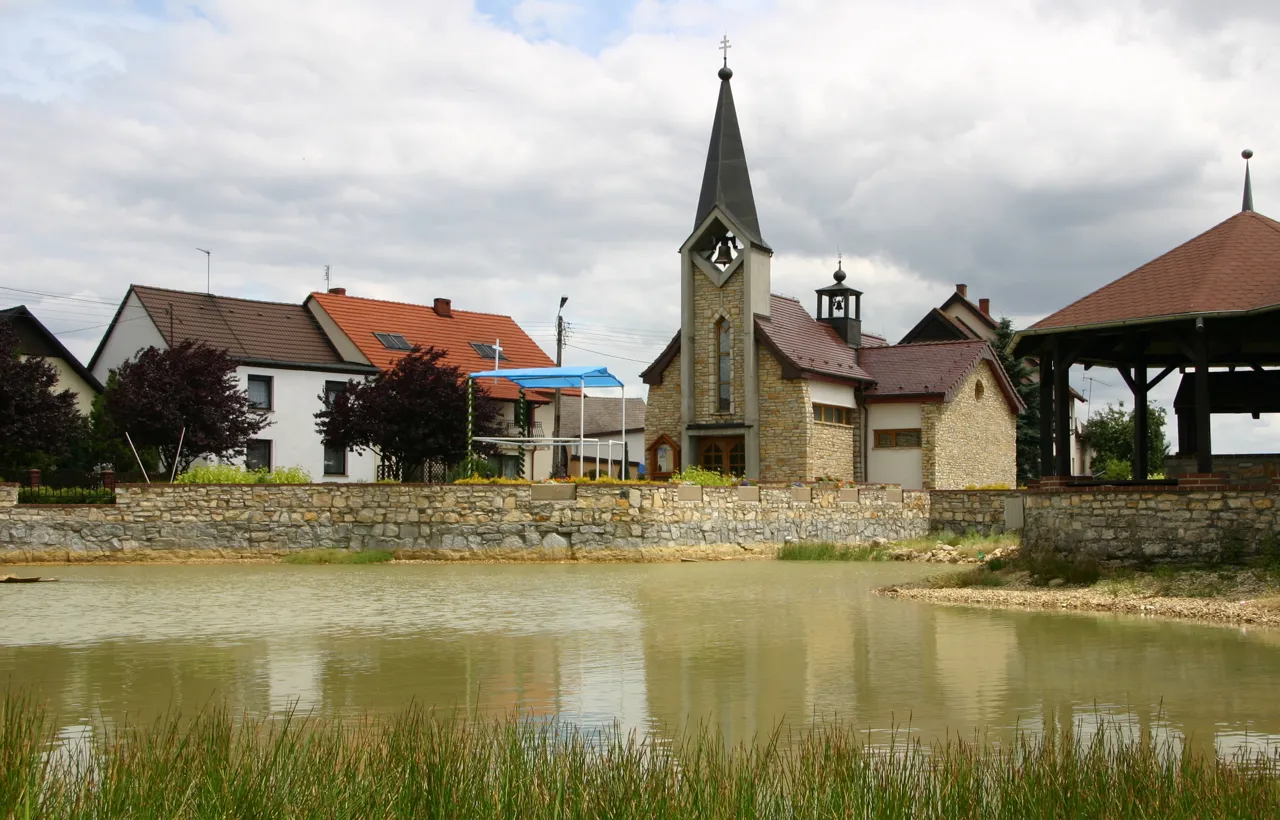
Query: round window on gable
{"points": [[979, 389]]}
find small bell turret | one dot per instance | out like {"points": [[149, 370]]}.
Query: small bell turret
{"points": [[840, 306]]}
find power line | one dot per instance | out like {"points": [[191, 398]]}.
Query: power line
{"points": [[610, 355], [65, 296]]}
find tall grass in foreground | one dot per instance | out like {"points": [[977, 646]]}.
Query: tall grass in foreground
{"points": [[419, 765], [827, 551], [335, 556]]}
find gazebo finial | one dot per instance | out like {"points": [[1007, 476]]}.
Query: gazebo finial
{"points": [[1247, 205]]}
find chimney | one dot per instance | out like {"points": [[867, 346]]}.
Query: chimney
{"points": [[984, 305], [338, 291], [963, 290], [443, 307]]}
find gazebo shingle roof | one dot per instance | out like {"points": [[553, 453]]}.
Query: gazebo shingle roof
{"points": [[1233, 266]]}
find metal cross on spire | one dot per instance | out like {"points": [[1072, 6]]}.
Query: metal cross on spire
{"points": [[724, 47]]}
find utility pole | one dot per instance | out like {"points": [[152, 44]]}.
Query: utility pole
{"points": [[558, 468]]}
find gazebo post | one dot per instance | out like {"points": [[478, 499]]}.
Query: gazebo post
{"points": [[1061, 412], [1204, 447], [1140, 467], [1047, 353]]}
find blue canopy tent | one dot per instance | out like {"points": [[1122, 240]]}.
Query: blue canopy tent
{"points": [[551, 378]]}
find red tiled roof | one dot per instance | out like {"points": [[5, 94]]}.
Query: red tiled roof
{"points": [[360, 318], [806, 343], [247, 329], [931, 369], [873, 340], [1233, 266]]}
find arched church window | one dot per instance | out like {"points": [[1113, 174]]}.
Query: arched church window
{"points": [[724, 366], [978, 390]]}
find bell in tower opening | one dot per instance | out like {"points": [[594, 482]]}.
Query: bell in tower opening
{"points": [[840, 306]]}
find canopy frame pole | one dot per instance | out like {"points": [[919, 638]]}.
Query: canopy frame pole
{"points": [[582, 421], [622, 471]]}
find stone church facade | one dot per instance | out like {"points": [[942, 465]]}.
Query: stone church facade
{"points": [[754, 385]]}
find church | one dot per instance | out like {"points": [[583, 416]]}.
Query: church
{"points": [[756, 386]]}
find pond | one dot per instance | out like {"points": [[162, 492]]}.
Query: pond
{"points": [[742, 647]]}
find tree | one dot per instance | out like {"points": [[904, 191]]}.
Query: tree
{"points": [[189, 386], [412, 414], [37, 425], [1110, 434], [1023, 378]]}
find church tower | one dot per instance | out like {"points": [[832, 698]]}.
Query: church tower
{"points": [[724, 269]]}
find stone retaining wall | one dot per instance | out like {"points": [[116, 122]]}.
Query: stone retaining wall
{"points": [[486, 521], [989, 512], [1152, 524], [1257, 469]]}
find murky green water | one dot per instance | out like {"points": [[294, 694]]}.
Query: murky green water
{"points": [[742, 646]]}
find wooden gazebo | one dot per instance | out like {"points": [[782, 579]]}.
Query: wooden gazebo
{"points": [[1213, 302]]}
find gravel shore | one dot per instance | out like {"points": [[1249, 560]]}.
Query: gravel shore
{"points": [[1259, 612]]}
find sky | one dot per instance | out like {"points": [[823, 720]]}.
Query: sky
{"points": [[503, 153]]}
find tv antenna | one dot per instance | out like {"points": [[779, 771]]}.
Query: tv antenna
{"points": [[208, 264], [326, 278]]}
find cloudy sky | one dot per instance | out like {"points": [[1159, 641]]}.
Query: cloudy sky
{"points": [[505, 152]]}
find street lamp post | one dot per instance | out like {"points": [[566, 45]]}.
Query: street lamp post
{"points": [[559, 467]]}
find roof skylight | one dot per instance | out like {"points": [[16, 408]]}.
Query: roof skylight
{"points": [[393, 341]]}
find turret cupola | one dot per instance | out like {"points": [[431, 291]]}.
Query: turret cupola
{"points": [[840, 306]]}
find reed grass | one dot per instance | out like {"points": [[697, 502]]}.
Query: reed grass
{"points": [[828, 551], [418, 764], [336, 556]]}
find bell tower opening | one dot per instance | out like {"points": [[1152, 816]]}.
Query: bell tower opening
{"points": [[840, 307]]}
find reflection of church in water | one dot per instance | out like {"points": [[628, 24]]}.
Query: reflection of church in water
{"points": [[754, 385]]}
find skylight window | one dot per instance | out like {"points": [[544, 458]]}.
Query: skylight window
{"points": [[393, 341], [486, 351]]}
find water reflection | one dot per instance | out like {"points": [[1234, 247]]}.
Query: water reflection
{"points": [[740, 647]]}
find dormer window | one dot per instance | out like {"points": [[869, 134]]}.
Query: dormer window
{"points": [[393, 341]]}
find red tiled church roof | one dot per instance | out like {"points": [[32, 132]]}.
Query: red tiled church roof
{"points": [[360, 318], [1233, 266], [931, 369], [807, 344]]}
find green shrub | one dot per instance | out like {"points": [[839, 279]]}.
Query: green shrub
{"points": [[703, 478], [230, 474], [976, 577], [65, 495], [827, 551], [1045, 566]]}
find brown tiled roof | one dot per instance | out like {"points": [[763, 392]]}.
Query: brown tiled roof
{"points": [[931, 369], [1233, 266], [944, 323], [247, 329], [805, 344], [360, 318], [604, 415], [873, 340]]}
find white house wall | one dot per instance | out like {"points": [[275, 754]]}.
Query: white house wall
{"points": [[132, 333], [295, 398], [69, 379], [894, 465], [836, 395]]}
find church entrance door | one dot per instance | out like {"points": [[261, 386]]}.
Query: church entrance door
{"points": [[724, 454]]}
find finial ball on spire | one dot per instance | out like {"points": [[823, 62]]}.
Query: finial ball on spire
{"points": [[725, 72], [1247, 153]]}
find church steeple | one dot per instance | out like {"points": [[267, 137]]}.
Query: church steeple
{"points": [[726, 181]]}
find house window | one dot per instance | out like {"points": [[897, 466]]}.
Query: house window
{"points": [[257, 454], [485, 351], [662, 458], [899, 439], [833, 415], [724, 371], [724, 455], [393, 341], [260, 392], [335, 460], [331, 391], [979, 389]]}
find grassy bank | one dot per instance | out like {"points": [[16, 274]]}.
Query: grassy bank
{"points": [[827, 551], [418, 765], [335, 556], [971, 546]]}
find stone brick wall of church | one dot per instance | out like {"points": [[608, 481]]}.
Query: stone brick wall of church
{"points": [[662, 415], [710, 302], [975, 441], [930, 412], [835, 450], [786, 423]]}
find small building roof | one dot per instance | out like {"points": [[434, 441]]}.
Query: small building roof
{"points": [[806, 345], [604, 415], [929, 369], [453, 331], [36, 340], [1234, 267]]}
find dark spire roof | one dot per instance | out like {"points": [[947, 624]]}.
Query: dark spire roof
{"points": [[726, 181], [1248, 186]]}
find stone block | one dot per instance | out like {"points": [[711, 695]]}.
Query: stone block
{"points": [[553, 492], [689, 492], [801, 495], [893, 495], [848, 495], [749, 495]]}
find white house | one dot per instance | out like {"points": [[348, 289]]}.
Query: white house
{"points": [[35, 341], [285, 362]]}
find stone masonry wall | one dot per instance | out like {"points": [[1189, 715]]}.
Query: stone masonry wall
{"points": [[662, 413], [450, 520], [710, 302], [975, 443], [982, 511], [1152, 524], [786, 423], [930, 414], [1234, 469], [835, 450]]}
